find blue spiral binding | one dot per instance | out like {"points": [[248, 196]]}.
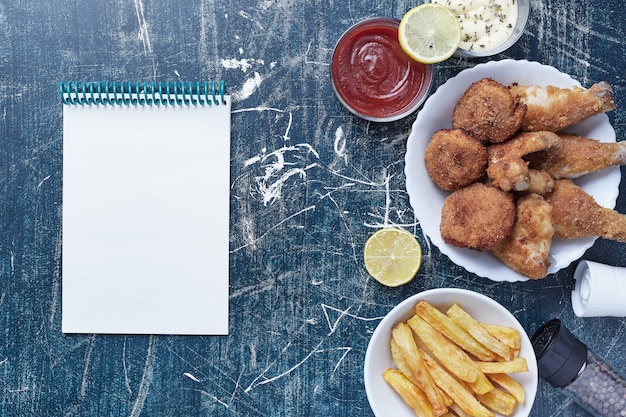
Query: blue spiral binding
{"points": [[94, 93]]}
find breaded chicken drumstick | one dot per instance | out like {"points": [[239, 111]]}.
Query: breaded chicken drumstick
{"points": [[553, 108], [576, 214], [506, 168], [526, 249], [578, 156]]}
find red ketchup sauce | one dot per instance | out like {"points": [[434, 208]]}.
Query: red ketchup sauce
{"points": [[372, 75]]}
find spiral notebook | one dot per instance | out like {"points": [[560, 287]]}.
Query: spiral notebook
{"points": [[146, 179]]}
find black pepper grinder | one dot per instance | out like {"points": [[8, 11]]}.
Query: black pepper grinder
{"points": [[567, 364]]}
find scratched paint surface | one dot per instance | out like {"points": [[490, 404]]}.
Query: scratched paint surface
{"points": [[309, 184]]}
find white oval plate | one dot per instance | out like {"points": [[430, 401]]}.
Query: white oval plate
{"points": [[427, 199], [383, 399]]}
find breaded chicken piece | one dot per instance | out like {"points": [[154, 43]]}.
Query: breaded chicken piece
{"points": [[454, 159], [488, 112], [576, 214], [526, 250], [578, 156], [553, 108], [506, 168], [540, 182], [477, 217]]}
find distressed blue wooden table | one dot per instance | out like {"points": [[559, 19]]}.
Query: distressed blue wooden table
{"points": [[309, 181]]}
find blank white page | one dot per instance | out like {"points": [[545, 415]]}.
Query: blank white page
{"points": [[146, 219]]}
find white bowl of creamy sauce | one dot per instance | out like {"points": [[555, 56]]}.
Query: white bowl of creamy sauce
{"points": [[488, 27]]}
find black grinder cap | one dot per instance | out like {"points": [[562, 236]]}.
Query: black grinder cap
{"points": [[560, 356]]}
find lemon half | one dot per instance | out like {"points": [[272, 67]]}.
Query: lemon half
{"points": [[429, 33], [392, 256]]}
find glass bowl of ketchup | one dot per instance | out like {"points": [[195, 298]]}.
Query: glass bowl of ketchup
{"points": [[373, 77]]}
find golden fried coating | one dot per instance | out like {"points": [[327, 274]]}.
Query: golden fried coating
{"points": [[526, 250], [578, 156], [488, 112], [477, 217], [553, 108], [540, 182], [576, 214], [506, 168], [454, 159]]}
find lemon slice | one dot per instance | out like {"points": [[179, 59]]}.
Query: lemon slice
{"points": [[392, 256], [429, 33]]}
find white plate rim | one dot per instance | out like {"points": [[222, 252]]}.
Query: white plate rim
{"points": [[426, 198]]}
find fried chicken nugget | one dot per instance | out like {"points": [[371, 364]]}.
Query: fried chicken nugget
{"points": [[526, 249], [477, 217], [454, 159], [488, 111]]}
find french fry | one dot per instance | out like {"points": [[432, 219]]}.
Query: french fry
{"points": [[452, 331], [411, 395], [403, 336], [400, 363], [473, 327], [507, 335], [499, 401], [458, 411], [506, 367], [455, 389], [481, 385], [509, 384], [450, 355], [398, 360]]}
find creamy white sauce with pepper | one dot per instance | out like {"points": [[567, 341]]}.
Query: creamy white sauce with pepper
{"points": [[485, 24]]}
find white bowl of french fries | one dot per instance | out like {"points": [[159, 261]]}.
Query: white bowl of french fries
{"points": [[450, 351]]}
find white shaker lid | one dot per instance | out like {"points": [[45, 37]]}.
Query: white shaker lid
{"points": [[600, 290]]}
